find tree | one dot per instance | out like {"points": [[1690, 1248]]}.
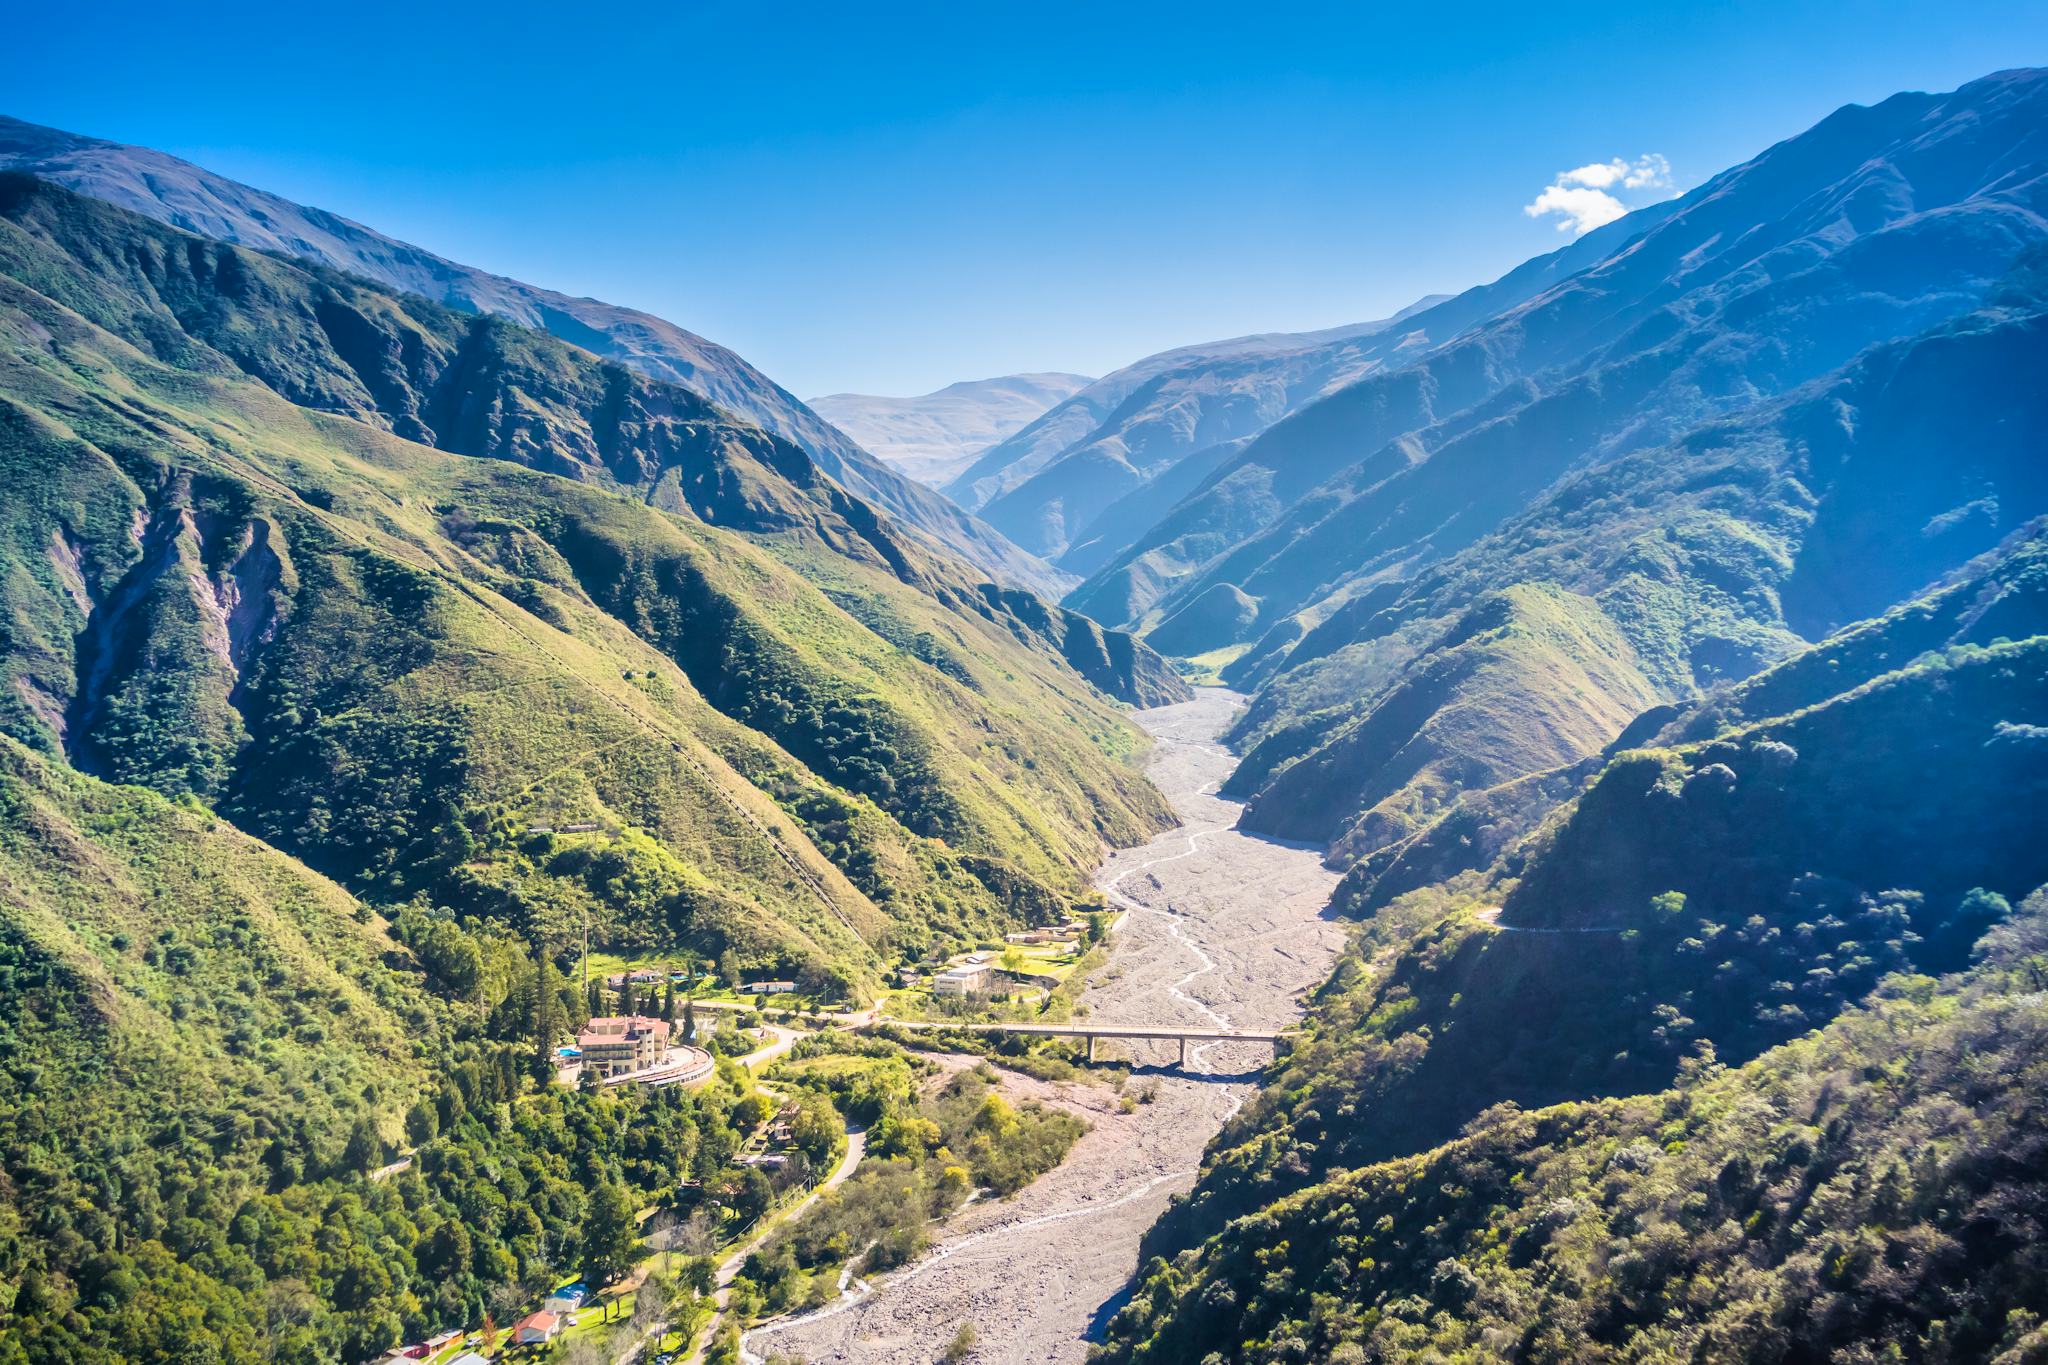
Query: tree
{"points": [[755, 1195], [545, 1007], [421, 1123], [650, 1303], [689, 1019], [365, 1149], [815, 1130], [626, 1001], [668, 995], [609, 1231], [729, 970]]}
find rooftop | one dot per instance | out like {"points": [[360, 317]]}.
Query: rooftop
{"points": [[620, 1028]]}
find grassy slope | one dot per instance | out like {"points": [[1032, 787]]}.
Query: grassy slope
{"points": [[393, 658], [2000, 596]]}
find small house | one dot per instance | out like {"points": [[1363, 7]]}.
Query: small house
{"points": [[768, 988], [536, 1329], [567, 1299]]}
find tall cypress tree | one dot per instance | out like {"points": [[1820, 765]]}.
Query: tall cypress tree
{"points": [[545, 1008]]}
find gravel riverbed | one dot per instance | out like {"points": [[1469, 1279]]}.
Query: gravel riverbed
{"points": [[1224, 929]]}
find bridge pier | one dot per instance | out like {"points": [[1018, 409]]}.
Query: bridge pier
{"points": [[1091, 1049], [1183, 1052]]}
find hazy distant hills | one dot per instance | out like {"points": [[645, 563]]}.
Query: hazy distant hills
{"points": [[189, 197], [1052, 482], [935, 436]]}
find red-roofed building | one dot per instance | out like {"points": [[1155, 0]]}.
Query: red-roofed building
{"points": [[536, 1329], [615, 1043]]}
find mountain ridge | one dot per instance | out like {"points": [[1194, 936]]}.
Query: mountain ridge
{"points": [[202, 556], [193, 199]]}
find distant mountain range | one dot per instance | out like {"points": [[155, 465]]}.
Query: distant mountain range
{"points": [[1662, 651], [935, 436], [194, 199], [1468, 545], [1137, 439]]}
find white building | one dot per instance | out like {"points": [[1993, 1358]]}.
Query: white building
{"points": [[968, 979]]}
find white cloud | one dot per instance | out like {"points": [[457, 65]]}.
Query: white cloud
{"points": [[1580, 197]]}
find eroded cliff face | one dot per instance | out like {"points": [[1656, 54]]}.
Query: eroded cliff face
{"points": [[164, 618]]}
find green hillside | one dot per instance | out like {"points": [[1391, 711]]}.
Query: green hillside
{"points": [[205, 1049], [165, 971], [188, 1018], [811, 743], [1714, 899], [2000, 596], [1868, 1192], [1666, 574]]}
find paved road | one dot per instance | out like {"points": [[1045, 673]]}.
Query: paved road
{"points": [[780, 1041], [729, 1269]]}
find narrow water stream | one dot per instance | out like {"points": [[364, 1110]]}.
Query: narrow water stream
{"points": [[1223, 930]]}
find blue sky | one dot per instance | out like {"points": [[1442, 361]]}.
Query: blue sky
{"points": [[889, 198]]}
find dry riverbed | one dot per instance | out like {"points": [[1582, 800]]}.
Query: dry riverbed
{"points": [[1224, 929]]}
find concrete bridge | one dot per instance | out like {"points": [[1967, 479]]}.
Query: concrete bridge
{"points": [[1167, 1033]]}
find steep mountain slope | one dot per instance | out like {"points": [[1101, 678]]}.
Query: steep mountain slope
{"points": [[1874, 224], [1052, 482], [934, 436], [2000, 596], [166, 961], [1711, 900], [188, 197], [397, 660], [1678, 567], [189, 1017], [1873, 1188]]}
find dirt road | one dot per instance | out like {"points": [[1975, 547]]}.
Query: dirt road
{"points": [[1224, 930]]}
